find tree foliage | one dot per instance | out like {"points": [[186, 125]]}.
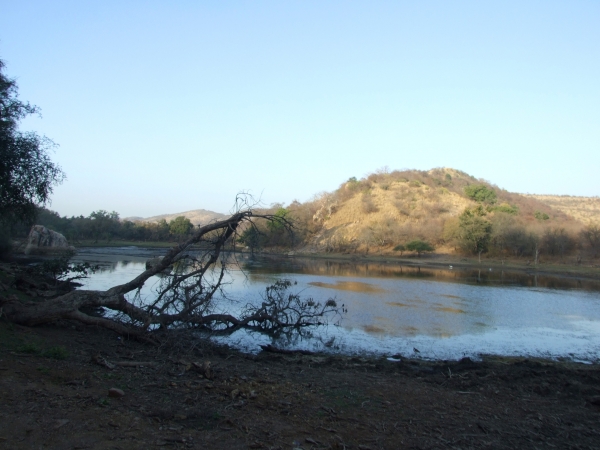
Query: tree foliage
{"points": [[474, 230], [180, 226], [419, 246], [480, 193], [27, 174]]}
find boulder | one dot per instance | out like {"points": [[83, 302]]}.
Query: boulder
{"points": [[41, 240]]}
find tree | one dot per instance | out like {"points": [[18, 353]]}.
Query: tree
{"points": [[419, 246], [480, 193], [557, 242], [591, 234], [399, 248], [251, 237], [104, 225], [474, 230], [27, 174], [180, 226], [184, 298]]}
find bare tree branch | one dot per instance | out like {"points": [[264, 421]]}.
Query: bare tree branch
{"points": [[196, 269]]}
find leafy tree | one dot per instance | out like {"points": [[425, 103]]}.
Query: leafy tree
{"points": [[278, 231], [27, 174], [400, 248], [474, 230], [419, 246], [279, 224], [180, 226], [541, 216], [480, 193], [104, 225], [251, 237]]}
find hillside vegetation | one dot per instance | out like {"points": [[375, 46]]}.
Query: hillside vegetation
{"points": [[583, 209], [388, 212], [446, 209]]}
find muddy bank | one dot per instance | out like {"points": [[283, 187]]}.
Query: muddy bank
{"points": [[55, 383]]}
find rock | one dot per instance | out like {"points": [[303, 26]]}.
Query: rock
{"points": [[41, 240], [116, 393]]}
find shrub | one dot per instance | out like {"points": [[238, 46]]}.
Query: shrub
{"points": [[367, 204], [506, 208]]}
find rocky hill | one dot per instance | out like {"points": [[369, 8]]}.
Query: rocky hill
{"points": [[387, 208]]}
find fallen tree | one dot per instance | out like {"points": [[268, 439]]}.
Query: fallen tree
{"points": [[185, 296]]}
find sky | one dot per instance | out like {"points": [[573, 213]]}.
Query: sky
{"points": [[162, 107]]}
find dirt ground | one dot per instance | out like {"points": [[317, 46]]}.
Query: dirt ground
{"points": [[55, 381]]}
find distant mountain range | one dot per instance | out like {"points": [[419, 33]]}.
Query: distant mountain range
{"points": [[196, 216]]}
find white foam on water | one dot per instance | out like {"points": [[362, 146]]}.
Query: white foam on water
{"points": [[582, 343]]}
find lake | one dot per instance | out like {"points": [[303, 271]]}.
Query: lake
{"points": [[404, 310]]}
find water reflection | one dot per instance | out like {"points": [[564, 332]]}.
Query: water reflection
{"points": [[391, 307], [355, 286], [485, 277]]}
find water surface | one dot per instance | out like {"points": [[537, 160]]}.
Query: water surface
{"points": [[409, 310]]}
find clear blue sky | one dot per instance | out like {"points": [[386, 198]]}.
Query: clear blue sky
{"points": [[162, 107]]}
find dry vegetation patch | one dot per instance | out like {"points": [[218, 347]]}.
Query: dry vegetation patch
{"points": [[584, 209]]}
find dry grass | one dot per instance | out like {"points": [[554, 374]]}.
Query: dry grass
{"points": [[387, 208], [583, 209], [393, 211]]}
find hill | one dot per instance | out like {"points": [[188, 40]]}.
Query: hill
{"points": [[583, 209], [445, 207], [196, 216]]}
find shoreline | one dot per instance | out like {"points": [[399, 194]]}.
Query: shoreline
{"points": [[432, 260]]}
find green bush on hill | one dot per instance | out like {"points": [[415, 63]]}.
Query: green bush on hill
{"points": [[480, 193]]}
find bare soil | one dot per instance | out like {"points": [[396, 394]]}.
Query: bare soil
{"points": [[55, 381]]}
